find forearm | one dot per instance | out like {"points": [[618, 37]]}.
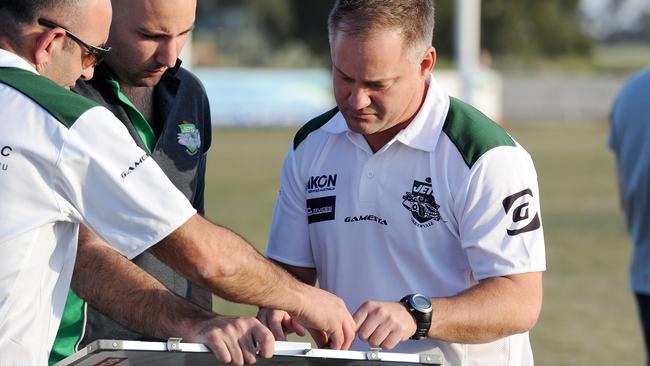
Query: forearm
{"points": [[305, 274], [145, 305], [220, 260], [495, 308]]}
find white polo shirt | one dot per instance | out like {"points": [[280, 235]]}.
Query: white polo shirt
{"points": [[451, 200], [65, 161]]}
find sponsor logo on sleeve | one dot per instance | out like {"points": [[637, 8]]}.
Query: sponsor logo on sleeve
{"points": [[518, 207], [134, 166], [5, 152], [190, 137], [321, 183], [321, 209], [370, 218], [421, 203]]}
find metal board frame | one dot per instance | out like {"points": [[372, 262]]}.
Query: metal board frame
{"points": [[174, 353]]}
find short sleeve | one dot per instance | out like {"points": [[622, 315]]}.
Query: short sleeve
{"points": [[118, 191], [500, 220], [289, 238]]}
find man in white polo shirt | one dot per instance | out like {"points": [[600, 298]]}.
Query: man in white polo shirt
{"points": [[415, 208], [65, 161]]}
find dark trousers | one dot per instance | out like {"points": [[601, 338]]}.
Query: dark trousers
{"points": [[643, 302]]}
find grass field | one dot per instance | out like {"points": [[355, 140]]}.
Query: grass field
{"points": [[588, 317]]}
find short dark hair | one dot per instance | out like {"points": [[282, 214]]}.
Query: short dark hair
{"points": [[360, 17], [26, 11]]}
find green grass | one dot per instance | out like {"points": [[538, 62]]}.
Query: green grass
{"points": [[588, 317]]}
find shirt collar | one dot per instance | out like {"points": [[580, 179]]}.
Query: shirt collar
{"points": [[10, 59], [423, 131]]}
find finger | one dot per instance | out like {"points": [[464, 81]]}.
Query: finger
{"points": [[265, 342], [237, 358], [320, 337], [248, 348], [379, 335], [337, 339], [349, 332], [391, 341], [368, 327], [219, 350], [298, 328], [360, 315], [276, 327]]}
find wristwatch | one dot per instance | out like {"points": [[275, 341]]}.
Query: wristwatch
{"points": [[420, 307]]}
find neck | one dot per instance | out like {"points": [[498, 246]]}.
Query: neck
{"points": [[379, 139], [9, 46], [137, 93], [142, 98]]}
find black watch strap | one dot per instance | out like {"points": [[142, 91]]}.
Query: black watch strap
{"points": [[422, 319]]}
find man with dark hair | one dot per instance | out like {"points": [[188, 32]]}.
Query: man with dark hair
{"points": [[68, 161], [414, 207]]}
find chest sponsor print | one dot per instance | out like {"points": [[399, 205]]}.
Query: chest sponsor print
{"points": [[370, 218], [321, 209], [421, 204], [190, 137], [321, 183]]}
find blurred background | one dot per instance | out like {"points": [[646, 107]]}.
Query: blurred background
{"points": [[547, 70]]}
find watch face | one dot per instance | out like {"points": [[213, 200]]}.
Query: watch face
{"points": [[421, 303]]}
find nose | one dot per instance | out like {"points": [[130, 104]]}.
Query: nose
{"points": [[167, 52], [358, 98], [87, 73]]}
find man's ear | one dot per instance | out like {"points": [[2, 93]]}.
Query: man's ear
{"points": [[47, 43], [428, 62]]}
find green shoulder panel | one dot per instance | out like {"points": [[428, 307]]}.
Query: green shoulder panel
{"points": [[313, 125], [472, 132], [61, 103]]}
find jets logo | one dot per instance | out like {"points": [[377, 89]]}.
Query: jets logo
{"points": [[190, 137], [518, 206], [421, 203]]}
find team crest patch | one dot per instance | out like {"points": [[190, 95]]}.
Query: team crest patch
{"points": [[190, 137], [421, 203]]}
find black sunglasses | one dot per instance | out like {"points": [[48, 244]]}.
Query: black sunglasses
{"points": [[98, 53]]}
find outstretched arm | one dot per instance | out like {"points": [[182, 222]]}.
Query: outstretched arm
{"points": [[496, 307], [218, 259], [102, 275]]}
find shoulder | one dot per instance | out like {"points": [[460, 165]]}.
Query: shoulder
{"points": [[472, 132], [190, 80], [636, 90], [64, 105], [313, 125]]}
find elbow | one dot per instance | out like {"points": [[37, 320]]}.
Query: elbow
{"points": [[529, 316], [528, 321], [208, 273]]}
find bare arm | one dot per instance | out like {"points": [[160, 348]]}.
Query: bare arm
{"points": [[220, 260], [102, 275], [497, 307]]}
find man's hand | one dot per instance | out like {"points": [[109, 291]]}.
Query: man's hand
{"points": [[280, 323], [234, 340], [327, 318], [384, 324]]}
